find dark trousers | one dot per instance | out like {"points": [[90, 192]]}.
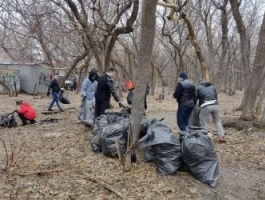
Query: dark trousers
{"points": [[100, 107], [24, 119], [183, 115]]}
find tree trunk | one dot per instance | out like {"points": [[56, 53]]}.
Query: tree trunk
{"points": [[256, 77], [147, 34], [221, 76], [244, 46]]}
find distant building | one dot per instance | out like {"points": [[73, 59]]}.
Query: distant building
{"points": [[34, 78], [11, 79]]}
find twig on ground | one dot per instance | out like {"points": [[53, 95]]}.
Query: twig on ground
{"points": [[5, 153], [37, 172], [14, 193], [103, 184], [241, 142]]}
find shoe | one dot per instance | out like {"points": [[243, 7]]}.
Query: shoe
{"points": [[32, 122], [61, 110], [50, 109], [222, 140], [24, 124]]}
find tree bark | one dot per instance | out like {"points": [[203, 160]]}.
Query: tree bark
{"points": [[256, 77], [147, 34], [244, 46]]}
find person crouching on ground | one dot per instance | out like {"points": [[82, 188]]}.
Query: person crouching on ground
{"points": [[54, 86], [208, 102], [26, 113]]}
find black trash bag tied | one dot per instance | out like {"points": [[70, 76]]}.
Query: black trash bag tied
{"points": [[96, 137], [165, 147], [144, 127], [199, 156], [117, 129], [8, 120], [63, 98]]}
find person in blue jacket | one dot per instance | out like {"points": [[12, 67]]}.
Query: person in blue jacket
{"points": [[88, 89]]}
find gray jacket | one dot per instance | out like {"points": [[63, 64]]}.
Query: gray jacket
{"points": [[206, 94]]}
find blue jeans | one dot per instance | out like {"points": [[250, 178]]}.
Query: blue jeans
{"points": [[183, 115], [55, 99]]}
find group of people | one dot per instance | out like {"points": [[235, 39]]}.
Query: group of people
{"points": [[96, 92], [187, 96]]}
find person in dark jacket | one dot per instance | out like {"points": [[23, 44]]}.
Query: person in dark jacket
{"points": [[26, 112], [130, 96], [54, 86], [104, 91], [185, 95], [208, 102]]}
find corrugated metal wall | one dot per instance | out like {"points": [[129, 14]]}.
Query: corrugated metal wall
{"points": [[11, 78], [34, 79]]}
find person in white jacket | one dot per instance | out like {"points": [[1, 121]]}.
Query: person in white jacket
{"points": [[88, 88]]}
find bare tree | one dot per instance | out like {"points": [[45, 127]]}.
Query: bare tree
{"points": [[256, 79], [147, 34]]}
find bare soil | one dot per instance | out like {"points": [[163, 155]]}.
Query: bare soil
{"points": [[53, 159]]}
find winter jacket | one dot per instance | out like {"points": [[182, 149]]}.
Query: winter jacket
{"points": [[54, 86], [88, 88], [27, 111], [185, 93], [206, 94], [105, 89]]}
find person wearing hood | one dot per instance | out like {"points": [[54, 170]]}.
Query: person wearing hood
{"points": [[185, 96], [88, 89], [208, 102]]}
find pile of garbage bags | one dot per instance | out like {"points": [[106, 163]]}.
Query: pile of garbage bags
{"points": [[109, 135], [193, 150]]}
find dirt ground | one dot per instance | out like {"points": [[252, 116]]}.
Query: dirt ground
{"points": [[53, 159]]}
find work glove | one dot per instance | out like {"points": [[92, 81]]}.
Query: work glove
{"points": [[121, 105], [48, 94]]}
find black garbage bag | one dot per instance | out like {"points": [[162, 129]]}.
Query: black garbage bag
{"points": [[117, 130], [144, 127], [8, 120], [166, 147], [199, 156], [149, 155], [96, 137], [63, 98]]}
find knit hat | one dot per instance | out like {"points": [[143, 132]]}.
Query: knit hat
{"points": [[183, 75]]}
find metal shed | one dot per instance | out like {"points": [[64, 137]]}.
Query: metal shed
{"points": [[34, 78], [11, 79]]}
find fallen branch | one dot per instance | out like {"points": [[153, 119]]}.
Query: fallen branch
{"points": [[37, 172], [241, 142], [103, 184]]}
